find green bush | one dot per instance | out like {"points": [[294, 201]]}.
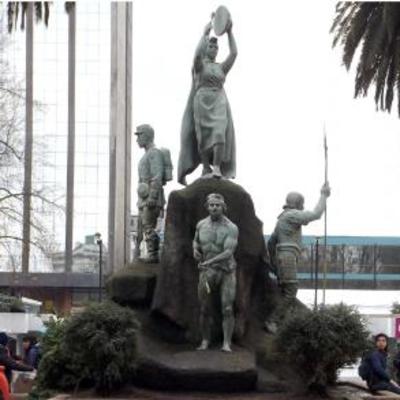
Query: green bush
{"points": [[318, 343], [395, 308], [10, 304], [96, 348], [57, 369]]}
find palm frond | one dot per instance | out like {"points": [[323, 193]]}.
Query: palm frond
{"points": [[10, 15], [38, 10], [374, 28], [46, 12], [371, 52], [357, 28], [17, 9]]}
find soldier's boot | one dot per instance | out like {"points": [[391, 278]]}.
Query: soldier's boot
{"points": [[284, 307]]}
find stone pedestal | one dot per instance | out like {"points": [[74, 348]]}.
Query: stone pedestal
{"points": [[164, 297]]}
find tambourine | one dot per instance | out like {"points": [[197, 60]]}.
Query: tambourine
{"points": [[221, 20]]}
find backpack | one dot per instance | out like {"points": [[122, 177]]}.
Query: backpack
{"points": [[364, 370], [167, 164], [39, 354]]}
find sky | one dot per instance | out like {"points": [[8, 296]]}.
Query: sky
{"points": [[287, 83]]}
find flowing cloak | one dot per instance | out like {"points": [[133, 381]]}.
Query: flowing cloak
{"points": [[189, 157]]}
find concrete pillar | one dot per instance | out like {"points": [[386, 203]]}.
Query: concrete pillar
{"points": [[69, 215], [27, 197], [120, 135]]}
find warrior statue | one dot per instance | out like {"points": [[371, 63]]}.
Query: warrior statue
{"points": [[155, 169], [207, 134], [213, 247], [285, 245]]}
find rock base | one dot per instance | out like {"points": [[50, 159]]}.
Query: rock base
{"points": [[134, 285], [164, 297], [184, 368]]}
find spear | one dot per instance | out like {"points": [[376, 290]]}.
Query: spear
{"points": [[325, 219]]}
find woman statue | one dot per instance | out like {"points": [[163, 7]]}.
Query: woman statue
{"points": [[207, 134]]}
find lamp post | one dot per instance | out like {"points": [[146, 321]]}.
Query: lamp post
{"points": [[316, 272], [99, 242]]}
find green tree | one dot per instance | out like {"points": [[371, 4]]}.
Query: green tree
{"points": [[374, 29]]}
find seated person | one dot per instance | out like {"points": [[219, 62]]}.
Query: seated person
{"points": [[378, 378], [31, 351], [7, 361]]}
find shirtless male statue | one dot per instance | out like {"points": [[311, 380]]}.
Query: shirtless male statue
{"points": [[214, 244]]}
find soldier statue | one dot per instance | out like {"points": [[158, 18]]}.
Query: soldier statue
{"points": [[214, 244], [155, 169], [284, 248]]}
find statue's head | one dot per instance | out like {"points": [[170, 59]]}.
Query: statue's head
{"points": [[294, 200], [212, 48], [215, 205], [145, 135]]}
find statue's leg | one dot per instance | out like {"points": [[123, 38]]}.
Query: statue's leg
{"points": [[217, 160], [149, 220], [289, 284], [205, 160], [139, 236], [289, 292], [228, 294], [287, 272], [205, 303]]}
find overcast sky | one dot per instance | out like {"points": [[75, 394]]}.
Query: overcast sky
{"points": [[287, 81]]}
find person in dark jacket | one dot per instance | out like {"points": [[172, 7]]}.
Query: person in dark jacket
{"points": [[7, 361], [379, 378], [31, 351]]}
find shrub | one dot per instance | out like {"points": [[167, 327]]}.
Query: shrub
{"points": [[318, 343], [56, 367], [395, 308], [96, 348], [103, 340], [11, 304]]}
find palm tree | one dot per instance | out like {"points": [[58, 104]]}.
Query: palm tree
{"points": [[374, 28], [16, 9]]}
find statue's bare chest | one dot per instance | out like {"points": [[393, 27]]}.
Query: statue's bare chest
{"points": [[213, 233]]}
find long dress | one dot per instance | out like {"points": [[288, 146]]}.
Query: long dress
{"points": [[210, 107], [207, 121]]}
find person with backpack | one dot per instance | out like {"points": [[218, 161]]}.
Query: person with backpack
{"points": [[31, 351], [373, 367]]}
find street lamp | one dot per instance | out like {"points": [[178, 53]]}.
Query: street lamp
{"points": [[99, 242], [316, 271]]}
